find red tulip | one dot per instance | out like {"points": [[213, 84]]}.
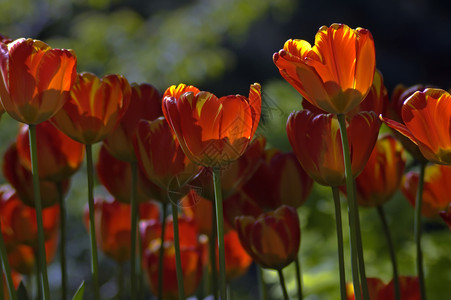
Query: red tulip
{"points": [[95, 107], [213, 131], [36, 79], [240, 204], [237, 260], [336, 73], [378, 290]]}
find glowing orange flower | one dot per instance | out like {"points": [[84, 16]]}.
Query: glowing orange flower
{"points": [[59, 156], [145, 103], [378, 290], [36, 79], [316, 141], [213, 131], [336, 73], [382, 175], [237, 260], [94, 108], [375, 289], [427, 119], [273, 238], [16, 277], [200, 210], [436, 194]]}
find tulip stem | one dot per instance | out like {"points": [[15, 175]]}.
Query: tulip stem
{"points": [[92, 226], [363, 281], [338, 224], [352, 208], [298, 277], [178, 261], [4, 261], [38, 207], [283, 286], [220, 228], [140, 269], [134, 222], [391, 249], [62, 204], [212, 250], [160, 259], [417, 230], [120, 281], [38, 279], [261, 282]]}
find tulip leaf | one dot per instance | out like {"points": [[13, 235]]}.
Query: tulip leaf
{"points": [[22, 293], [79, 294]]}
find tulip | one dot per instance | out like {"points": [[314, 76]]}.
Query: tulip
{"points": [[200, 210], [240, 204], [237, 259], [36, 79], [145, 103], [16, 278], [378, 290], [336, 73], [59, 156], [435, 197], [375, 288]]}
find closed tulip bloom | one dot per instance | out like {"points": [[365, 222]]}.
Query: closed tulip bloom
{"points": [[316, 141], [383, 172], [426, 116], [36, 79], [145, 103], [240, 204], [115, 175], [160, 156], [273, 238], [22, 180], [436, 194], [280, 179], [95, 107], [59, 156], [213, 131], [334, 74]]}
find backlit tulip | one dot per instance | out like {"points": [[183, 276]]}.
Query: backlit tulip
{"points": [[436, 194], [280, 179], [336, 73], [375, 289], [95, 107], [21, 179], [115, 175], [382, 175], [237, 259], [378, 290], [273, 238], [36, 79], [316, 141], [145, 103], [200, 210], [161, 158], [213, 131], [59, 156], [427, 117]]}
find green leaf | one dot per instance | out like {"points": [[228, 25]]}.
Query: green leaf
{"points": [[79, 294], [22, 293]]}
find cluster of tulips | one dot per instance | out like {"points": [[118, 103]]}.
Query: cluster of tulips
{"points": [[196, 195]]}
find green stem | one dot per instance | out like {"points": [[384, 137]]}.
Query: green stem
{"points": [[339, 226], [391, 249], [298, 277], [352, 206], [92, 226], [282, 284], [261, 283], [161, 257], [417, 230], [120, 281], [212, 250], [140, 269], [38, 279], [134, 224], [38, 207], [62, 240], [178, 261], [2, 292], [6, 267], [220, 229]]}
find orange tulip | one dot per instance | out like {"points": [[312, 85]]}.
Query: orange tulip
{"points": [[191, 252], [427, 117], [115, 175], [273, 238], [36, 79], [375, 289], [16, 277], [59, 156], [145, 103], [446, 216], [336, 73], [316, 141], [21, 179], [382, 175], [280, 179], [236, 258], [378, 290], [161, 158], [95, 107], [213, 131], [200, 210], [436, 194]]}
